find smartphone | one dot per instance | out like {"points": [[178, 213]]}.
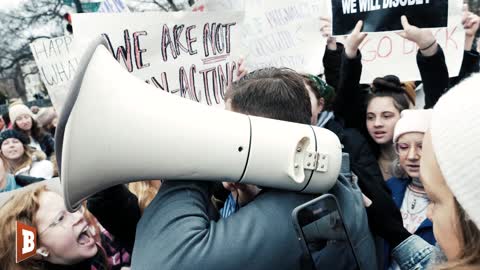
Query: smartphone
{"points": [[323, 235]]}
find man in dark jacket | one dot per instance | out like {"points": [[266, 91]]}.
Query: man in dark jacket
{"points": [[181, 230]]}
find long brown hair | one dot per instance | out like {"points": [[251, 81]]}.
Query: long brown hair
{"points": [[23, 206], [37, 132], [469, 234]]}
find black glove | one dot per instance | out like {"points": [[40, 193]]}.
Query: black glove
{"points": [[117, 209], [23, 180]]}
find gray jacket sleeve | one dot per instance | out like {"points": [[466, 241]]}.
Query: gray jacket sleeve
{"points": [[179, 231]]}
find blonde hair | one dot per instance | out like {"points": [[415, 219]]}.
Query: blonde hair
{"points": [[23, 206], [469, 234], [145, 192], [27, 159], [53, 159]]}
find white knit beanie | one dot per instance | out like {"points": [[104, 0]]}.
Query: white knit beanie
{"points": [[412, 121], [455, 133], [17, 109]]}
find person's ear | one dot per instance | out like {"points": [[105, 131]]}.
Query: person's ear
{"points": [[321, 104]]}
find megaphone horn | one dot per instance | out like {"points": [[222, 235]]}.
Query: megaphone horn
{"points": [[104, 139]]}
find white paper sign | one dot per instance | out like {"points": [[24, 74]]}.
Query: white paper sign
{"points": [[57, 64], [388, 53], [279, 33], [391, 54], [193, 55]]}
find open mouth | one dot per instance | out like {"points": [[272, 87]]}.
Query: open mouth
{"points": [[413, 167], [379, 134], [86, 236]]}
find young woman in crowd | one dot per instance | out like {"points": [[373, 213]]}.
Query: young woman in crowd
{"points": [[7, 180], [66, 240], [386, 98], [450, 174], [407, 189], [21, 159], [23, 121], [47, 119]]}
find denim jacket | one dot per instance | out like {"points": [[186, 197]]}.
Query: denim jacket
{"points": [[413, 254]]}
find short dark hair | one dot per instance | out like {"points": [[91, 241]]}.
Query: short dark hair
{"points": [[276, 93]]}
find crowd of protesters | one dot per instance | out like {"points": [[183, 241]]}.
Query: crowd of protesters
{"points": [[410, 199]]}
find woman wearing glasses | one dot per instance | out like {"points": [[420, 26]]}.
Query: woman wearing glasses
{"points": [[407, 190], [65, 240]]}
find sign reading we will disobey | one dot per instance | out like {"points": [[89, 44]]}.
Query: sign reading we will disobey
{"points": [[384, 15]]}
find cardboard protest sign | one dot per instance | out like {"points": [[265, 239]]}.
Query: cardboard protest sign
{"points": [[279, 33], [57, 64], [194, 55], [384, 15]]}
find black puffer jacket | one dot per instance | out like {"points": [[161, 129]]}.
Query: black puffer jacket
{"points": [[117, 209], [47, 143]]}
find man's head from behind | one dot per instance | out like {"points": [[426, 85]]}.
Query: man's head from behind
{"points": [[272, 93]]}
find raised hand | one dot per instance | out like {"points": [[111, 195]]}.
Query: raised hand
{"points": [[242, 70], [471, 24], [354, 40], [326, 30], [422, 37]]}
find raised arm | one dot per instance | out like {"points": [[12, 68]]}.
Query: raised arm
{"points": [[471, 57], [332, 57], [349, 101], [430, 61]]}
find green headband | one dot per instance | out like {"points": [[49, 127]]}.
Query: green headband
{"points": [[325, 90]]}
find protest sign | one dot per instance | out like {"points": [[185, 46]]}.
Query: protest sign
{"points": [[194, 55], [113, 6], [384, 15], [388, 53], [57, 64], [279, 33]]}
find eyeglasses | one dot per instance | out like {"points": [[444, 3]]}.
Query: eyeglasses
{"points": [[62, 218], [404, 148]]}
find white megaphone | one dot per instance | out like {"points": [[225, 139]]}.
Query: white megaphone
{"points": [[105, 138]]}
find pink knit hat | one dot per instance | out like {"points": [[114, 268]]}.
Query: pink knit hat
{"points": [[17, 109], [412, 121]]}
